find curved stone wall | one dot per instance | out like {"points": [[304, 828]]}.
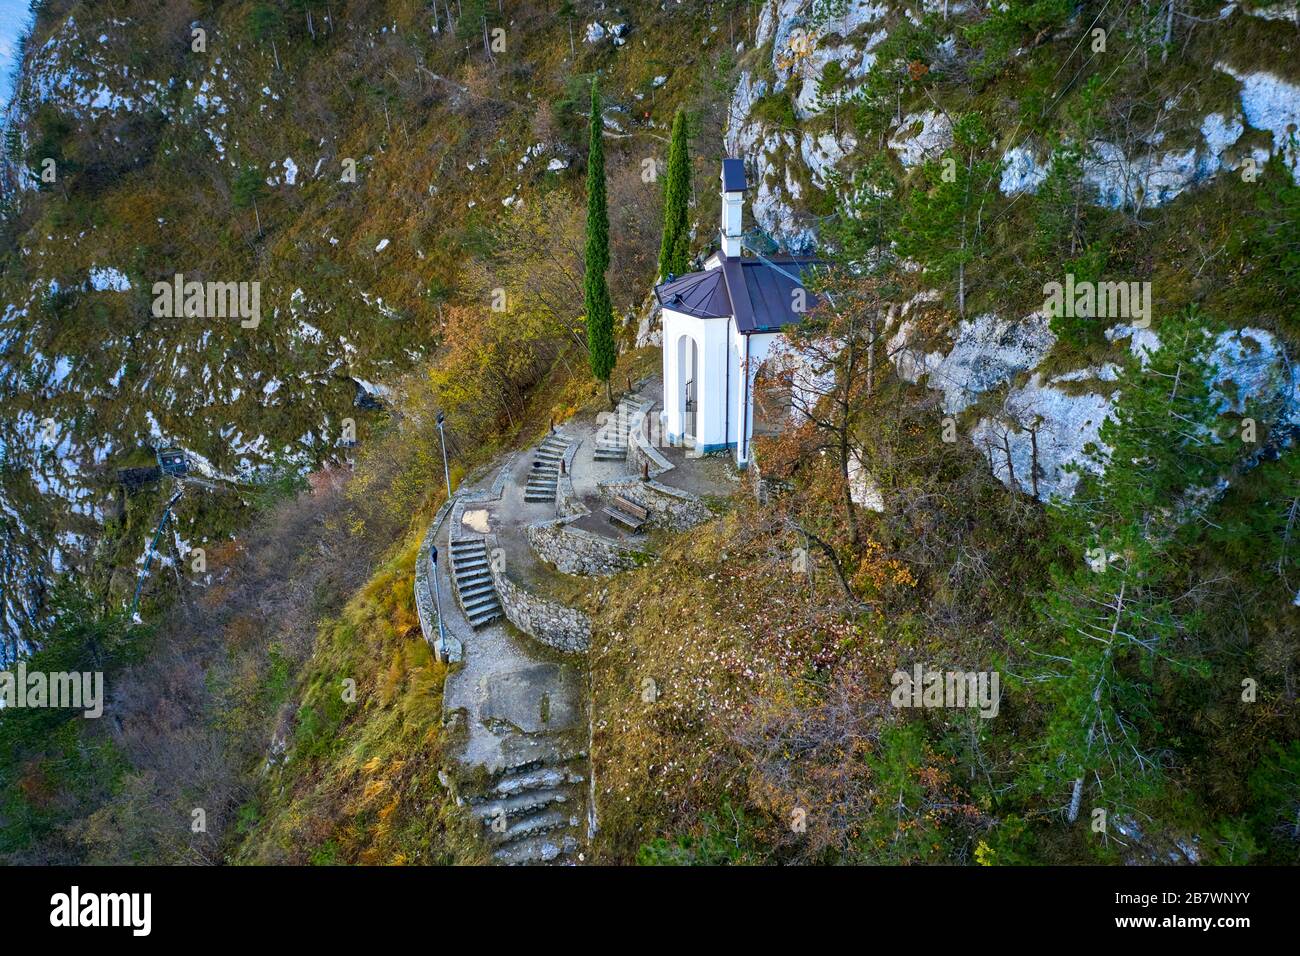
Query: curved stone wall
{"points": [[554, 624], [425, 605], [575, 551], [670, 508]]}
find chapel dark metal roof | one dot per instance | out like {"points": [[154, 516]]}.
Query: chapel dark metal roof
{"points": [[758, 293], [701, 294], [733, 176]]}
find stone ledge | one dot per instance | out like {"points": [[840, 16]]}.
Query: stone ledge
{"points": [[425, 605]]}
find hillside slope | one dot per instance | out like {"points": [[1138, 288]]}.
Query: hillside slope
{"points": [[353, 161], [957, 158]]}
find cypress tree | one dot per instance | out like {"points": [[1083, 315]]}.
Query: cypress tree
{"points": [[601, 353], [676, 240]]}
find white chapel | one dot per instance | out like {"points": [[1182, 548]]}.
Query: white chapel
{"points": [[719, 325]]}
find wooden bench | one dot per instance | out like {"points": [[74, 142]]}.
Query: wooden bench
{"points": [[628, 513]]}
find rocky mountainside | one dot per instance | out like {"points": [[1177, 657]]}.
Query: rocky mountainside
{"points": [[323, 155], [1225, 115], [284, 234], [350, 160]]}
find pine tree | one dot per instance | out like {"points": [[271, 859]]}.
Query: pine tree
{"points": [[246, 190], [676, 240], [1112, 617], [601, 353], [941, 225], [266, 23], [1275, 244]]}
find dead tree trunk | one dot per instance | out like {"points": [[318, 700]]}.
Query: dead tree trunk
{"points": [[1076, 796], [1033, 459]]}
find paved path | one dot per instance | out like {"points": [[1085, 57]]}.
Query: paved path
{"points": [[523, 707], [523, 710]]}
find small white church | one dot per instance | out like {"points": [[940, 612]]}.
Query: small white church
{"points": [[720, 325]]}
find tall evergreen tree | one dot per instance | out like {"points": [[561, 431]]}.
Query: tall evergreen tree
{"points": [[676, 241], [1112, 617], [941, 224], [601, 353]]}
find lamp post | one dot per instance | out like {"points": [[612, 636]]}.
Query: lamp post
{"points": [[437, 603], [442, 440]]}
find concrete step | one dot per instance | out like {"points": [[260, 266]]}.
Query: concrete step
{"points": [[471, 600], [542, 778], [519, 805], [559, 759], [478, 620], [535, 825], [475, 588], [472, 579], [538, 850], [479, 602]]}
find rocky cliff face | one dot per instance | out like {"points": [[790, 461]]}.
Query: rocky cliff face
{"points": [[807, 156], [146, 137], [794, 44]]}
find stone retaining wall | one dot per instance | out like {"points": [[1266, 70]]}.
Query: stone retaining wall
{"points": [[554, 624], [566, 499], [576, 551], [425, 605], [669, 508]]}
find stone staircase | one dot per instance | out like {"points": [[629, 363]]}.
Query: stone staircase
{"points": [[473, 577], [535, 812], [611, 442], [546, 469]]}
